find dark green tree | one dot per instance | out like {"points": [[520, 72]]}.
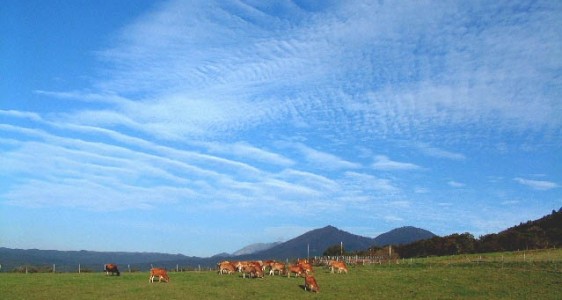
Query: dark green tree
{"points": [[334, 250]]}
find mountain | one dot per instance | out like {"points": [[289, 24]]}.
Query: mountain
{"points": [[402, 235], [312, 243], [67, 261], [253, 248], [541, 233], [315, 242]]}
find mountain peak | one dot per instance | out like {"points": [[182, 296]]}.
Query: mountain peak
{"points": [[403, 235]]}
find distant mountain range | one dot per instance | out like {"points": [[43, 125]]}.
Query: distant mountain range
{"points": [[316, 241], [544, 232], [312, 243], [253, 248]]}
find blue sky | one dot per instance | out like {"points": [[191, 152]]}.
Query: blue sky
{"points": [[199, 127]]}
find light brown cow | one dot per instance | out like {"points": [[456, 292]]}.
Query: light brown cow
{"points": [[267, 264], [226, 266], [306, 267], [310, 284], [340, 265], [253, 271], [296, 269], [160, 273], [277, 266]]}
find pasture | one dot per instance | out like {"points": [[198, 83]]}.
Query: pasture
{"points": [[515, 275]]}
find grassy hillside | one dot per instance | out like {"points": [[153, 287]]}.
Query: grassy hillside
{"points": [[513, 275]]}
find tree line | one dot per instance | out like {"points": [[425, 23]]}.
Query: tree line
{"points": [[539, 234], [545, 232]]}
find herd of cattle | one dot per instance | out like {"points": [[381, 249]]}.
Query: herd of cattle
{"points": [[254, 269]]}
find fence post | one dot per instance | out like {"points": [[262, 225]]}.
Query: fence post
{"points": [[53, 268], [78, 268]]}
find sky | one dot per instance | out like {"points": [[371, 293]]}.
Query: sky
{"points": [[199, 127]]}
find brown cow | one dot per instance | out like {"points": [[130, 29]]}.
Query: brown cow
{"points": [[226, 266], [340, 265], [306, 267], [297, 269], [161, 273], [310, 284], [111, 268], [277, 266], [253, 271], [267, 264]]}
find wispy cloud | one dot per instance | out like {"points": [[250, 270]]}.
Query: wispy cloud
{"points": [[440, 153], [456, 184], [249, 152], [368, 182], [324, 160], [384, 163], [213, 68], [541, 185], [216, 105]]}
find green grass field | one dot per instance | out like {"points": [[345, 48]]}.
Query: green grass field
{"points": [[516, 275]]}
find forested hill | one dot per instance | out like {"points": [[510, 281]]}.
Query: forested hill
{"points": [[543, 233], [402, 235]]}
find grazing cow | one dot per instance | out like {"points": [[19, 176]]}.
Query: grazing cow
{"points": [[253, 271], [240, 265], [306, 267], [267, 264], [310, 284], [340, 265], [277, 266], [226, 266], [160, 273], [111, 268], [297, 269]]}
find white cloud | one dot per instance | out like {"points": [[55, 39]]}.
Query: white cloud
{"points": [[384, 163], [456, 184], [361, 181], [249, 152], [324, 160], [193, 100], [440, 153], [541, 185]]}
